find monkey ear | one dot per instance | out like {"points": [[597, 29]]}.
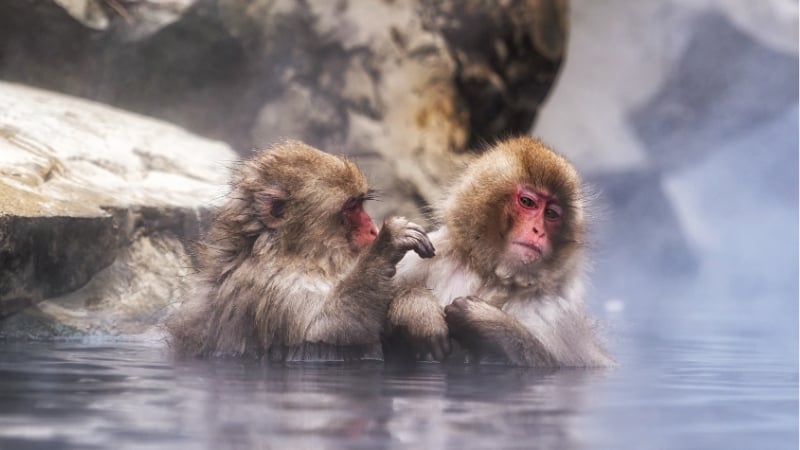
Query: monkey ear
{"points": [[271, 206]]}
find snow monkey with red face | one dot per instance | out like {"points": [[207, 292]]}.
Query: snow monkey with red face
{"points": [[293, 268], [506, 281]]}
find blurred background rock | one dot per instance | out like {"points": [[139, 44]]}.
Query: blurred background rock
{"points": [[682, 114], [404, 87]]}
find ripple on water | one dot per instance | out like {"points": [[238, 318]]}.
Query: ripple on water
{"points": [[668, 392]]}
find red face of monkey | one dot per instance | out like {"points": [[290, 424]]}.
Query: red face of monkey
{"points": [[536, 218], [361, 231]]}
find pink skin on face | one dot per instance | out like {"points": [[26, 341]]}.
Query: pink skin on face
{"points": [[361, 230], [537, 217]]}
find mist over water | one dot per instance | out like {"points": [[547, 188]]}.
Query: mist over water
{"points": [[691, 137], [684, 116], [689, 131]]}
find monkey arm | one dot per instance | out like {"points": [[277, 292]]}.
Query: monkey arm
{"points": [[416, 326], [354, 311], [490, 333], [356, 308]]}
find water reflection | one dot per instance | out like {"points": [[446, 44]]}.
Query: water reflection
{"points": [[368, 405], [94, 396], [701, 390]]}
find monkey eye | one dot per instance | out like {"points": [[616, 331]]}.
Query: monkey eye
{"points": [[527, 202], [552, 212], [352, 203]]}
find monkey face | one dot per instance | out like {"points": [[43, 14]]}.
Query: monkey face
{"points": [[536, 218], [516, 213], [359, 228]]}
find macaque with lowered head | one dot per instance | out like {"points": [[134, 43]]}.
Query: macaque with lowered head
{"points": [[506, 282], [293, 268]]}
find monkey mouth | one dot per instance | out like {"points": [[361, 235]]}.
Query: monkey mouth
{"points": [[535, 248]]}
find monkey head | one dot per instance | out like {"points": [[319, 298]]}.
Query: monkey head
{"points": [[516, 214], [305, 199]]}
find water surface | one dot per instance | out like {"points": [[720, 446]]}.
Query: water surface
{"points": [[711, 384]]}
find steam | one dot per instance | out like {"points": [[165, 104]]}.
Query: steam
{"points": [[693, 145]]}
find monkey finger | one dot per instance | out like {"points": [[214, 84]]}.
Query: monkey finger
{"points": [[433, 349], [415, 227], [419, 347], [421, 244], [425, 249], [444, 344], [430, 249], [440, 347], [461, 304], [455, 307], [416, 235]]}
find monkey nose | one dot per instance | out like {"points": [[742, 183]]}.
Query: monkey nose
{"points": [[538, 227]]}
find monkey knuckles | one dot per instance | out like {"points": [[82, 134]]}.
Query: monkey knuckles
{"points": [[466, 316], [405, 236], [432, 338], [466, 306], [437, 347]]}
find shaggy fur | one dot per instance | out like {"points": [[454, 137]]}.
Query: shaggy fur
{"points": [[279, 276], [531, 314]]}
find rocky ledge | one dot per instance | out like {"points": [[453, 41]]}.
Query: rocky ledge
{"points": [[96, 205], [96, 208]]}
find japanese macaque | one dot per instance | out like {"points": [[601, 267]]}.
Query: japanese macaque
{"points": [[506, 282], [293, 268]]}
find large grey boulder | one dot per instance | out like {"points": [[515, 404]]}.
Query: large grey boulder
{"points": [[96, 206], [683, 113], [407, 87]]}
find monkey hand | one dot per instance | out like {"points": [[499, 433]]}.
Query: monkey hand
{"points": [[398, 236], [430, 348], [472, 321], [420, 323], [488, 333], [430, 340]]}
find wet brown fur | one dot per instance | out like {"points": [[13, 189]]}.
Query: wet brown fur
{"points": [[528, 314], [277, 274]]}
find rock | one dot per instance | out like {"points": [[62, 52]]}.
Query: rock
{"points": [[717, 88], [682, 114], [406, 88], [128, 19], [88, 12], [96, 206]]}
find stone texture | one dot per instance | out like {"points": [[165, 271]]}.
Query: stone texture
{"points": [[683, 114], [407, 88], [726, 81], [129, 19], [96, 206]]}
